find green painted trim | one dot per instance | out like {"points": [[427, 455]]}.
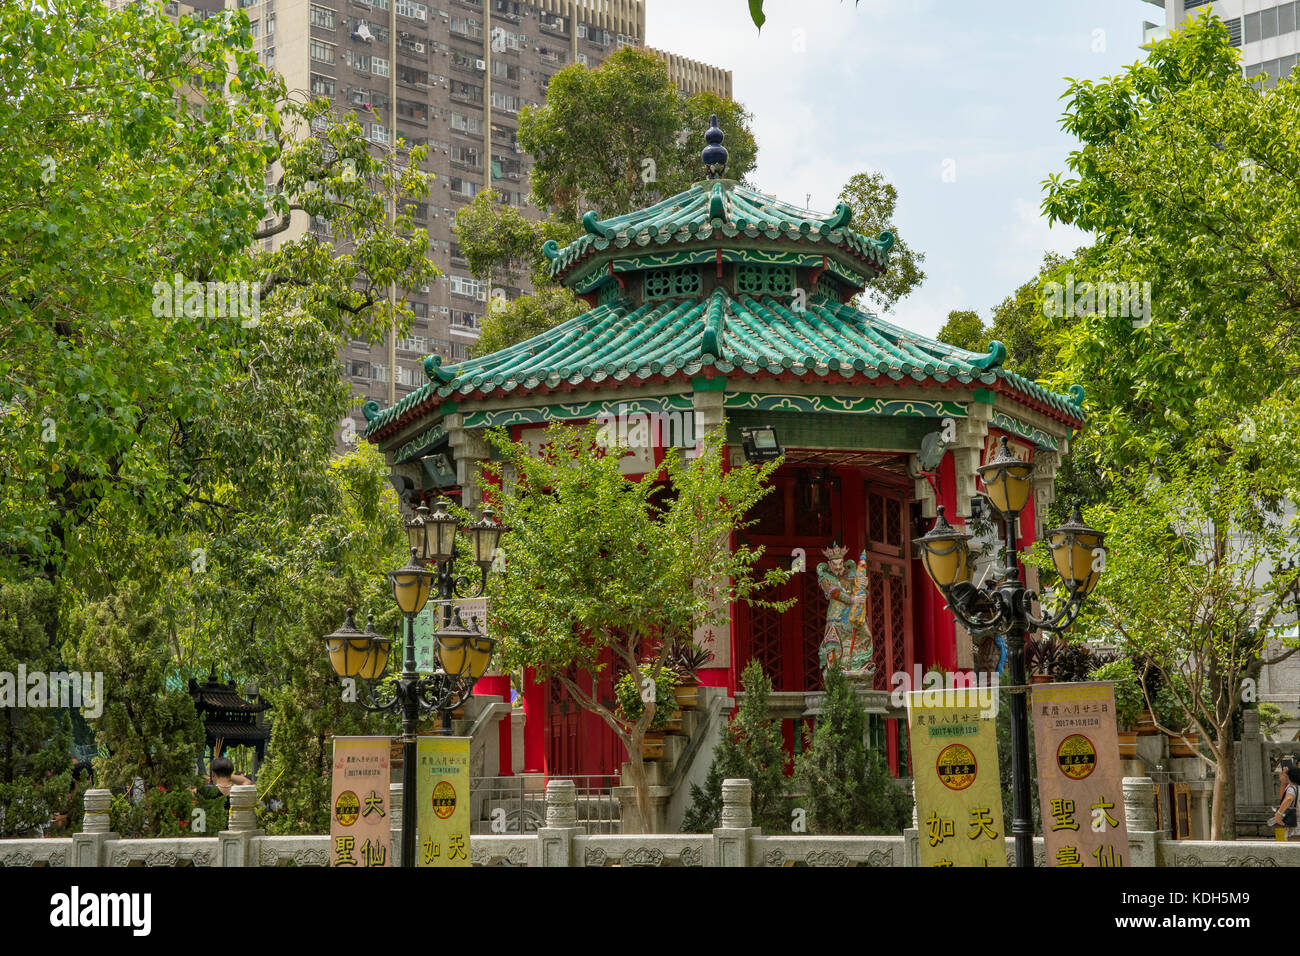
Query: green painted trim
{"points": [[984, 396], [889, 408], [537, 414], [1036, 435], [421, 443]]}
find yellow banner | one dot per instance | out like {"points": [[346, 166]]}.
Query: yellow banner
{"points": [[955, 773], [442, 783], [1080, 780], [359, 823]]}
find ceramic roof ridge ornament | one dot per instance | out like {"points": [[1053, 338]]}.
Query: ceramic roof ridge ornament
{"points": [[714, 154]]}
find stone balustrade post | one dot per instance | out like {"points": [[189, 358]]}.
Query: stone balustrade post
{"points": [[1140, 817], [88, 845], [395, 811], [236, 839], [912, 838], [731, 838], [556, 839]]}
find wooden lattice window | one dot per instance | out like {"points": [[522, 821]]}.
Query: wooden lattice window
{"points": [[662, 283], [754, 279]]}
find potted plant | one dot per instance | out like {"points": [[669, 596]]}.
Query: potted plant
{"points": [[686, 657], [628, 692], [1040, 657], [1128, 701]]}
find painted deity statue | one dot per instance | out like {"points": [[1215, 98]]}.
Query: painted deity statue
{"points": [[847, 640]]}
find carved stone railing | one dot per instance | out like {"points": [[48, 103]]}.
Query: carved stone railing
{"points": [[562, 842]]}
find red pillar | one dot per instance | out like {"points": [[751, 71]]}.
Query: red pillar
{"points": [[499, 686], [534, 723]]}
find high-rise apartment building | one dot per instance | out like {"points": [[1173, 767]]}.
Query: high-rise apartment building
{"points": [[1267, 32], [452, 75]]}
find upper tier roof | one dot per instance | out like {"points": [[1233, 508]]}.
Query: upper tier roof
{"points": [[712, 211]]}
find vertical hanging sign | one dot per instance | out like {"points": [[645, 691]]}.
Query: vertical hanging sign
{"points": [[442, 785], [1080, 780], [359, 823], [955, 773], [426, 659]]}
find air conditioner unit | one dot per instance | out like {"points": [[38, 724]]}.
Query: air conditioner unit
{"points": [[419, 48], [480, 65]]}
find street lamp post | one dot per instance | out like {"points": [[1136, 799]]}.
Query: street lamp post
{"points": [[463, 654], [1002, 605]]}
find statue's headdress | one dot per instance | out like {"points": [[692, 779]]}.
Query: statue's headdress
{"points": [[835, 551]]}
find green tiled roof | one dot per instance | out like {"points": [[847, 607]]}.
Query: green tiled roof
{"points": [[681, 337], [716, 210]]}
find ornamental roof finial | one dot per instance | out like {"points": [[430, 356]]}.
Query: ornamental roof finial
{"points": [[714, 154]]}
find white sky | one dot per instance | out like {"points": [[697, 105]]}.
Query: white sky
{"points": [[902, 86]]}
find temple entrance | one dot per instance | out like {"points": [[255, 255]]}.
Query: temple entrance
{"points": [[866, 511]]}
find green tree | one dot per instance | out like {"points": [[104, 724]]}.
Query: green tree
{"points": [[599, 567], [873, 200], [617, 138], [35, 766], [846, 788], [966, 330], [1186, 176], [751, 750], [146, 730], [119, 412], [1195, 584], [511, 322]]}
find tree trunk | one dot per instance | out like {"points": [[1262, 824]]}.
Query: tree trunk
{"points": [[1225, 786], [636, 769]]}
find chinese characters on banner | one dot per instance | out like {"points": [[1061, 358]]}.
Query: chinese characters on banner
{"points": [[473, 613], [1080, 781], [955, 767], [442, 782], [359, 824]]}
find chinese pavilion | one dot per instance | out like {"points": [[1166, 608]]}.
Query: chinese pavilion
{"points": [[732, 307]]}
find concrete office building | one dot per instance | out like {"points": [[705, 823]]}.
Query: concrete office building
{"points": [[1267, 32]]}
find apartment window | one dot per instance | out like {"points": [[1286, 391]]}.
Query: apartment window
{"points": [[378, 134], [245, 4], [465, 124], [414, 343], [1286, 18], [463, 319], [1234, 31], [379, 373], [1250, 27], [466, 27], [464, 155], [321, 85], [473, 288], [270, 25], [582, 30], [553, 55], [252, 28], [463, 187], [458, 352], [466, 92], [378, 66], [505, 101], [416, 11], [412, 110], [359, 368], [410, 77], [582, 58], [322, 51], [504, 69], [554, 23], [322, 17]]}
